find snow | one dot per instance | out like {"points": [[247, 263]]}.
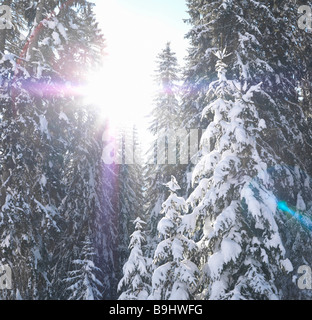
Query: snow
{"points": [[160, 274], [227, 218], [164, 226], [173, 184], [187, 272], [45, 41], [301, 206], [63, 116], [43, 180], [173, 200], [188, 223], [51, 23], [217, 290], [6, 243], [44, 125], [37, 256], [73, 26], [62, 31], [262, 124], [179, 292], [56, 38], [215, 264], [206, 165], [230, 250], [177, 249], [287, 265], [247, 97]]}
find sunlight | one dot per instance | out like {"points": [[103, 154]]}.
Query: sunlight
{"points": [[125, 87], [118, 95]]}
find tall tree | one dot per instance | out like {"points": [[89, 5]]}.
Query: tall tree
{"points": [[40, 118], [259, 55], [131, 189], [237, 198], [165, 120]]}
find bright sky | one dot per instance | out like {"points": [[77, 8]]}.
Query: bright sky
{"points": [[136, 31]]}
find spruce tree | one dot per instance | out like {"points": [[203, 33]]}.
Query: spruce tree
{"points": [[82, 283], [243, 256], [176, 275], [264, 46], [40, 119], [165, 120], [130, 191], [134, 284]]}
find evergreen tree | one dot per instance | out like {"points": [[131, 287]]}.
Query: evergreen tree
{"points": [[242, 252], [135, 282], [82, 283], [176, 275], [40, 118], [165, 115], [23, 215], [165, 121], [130, 188], [264, 46]]}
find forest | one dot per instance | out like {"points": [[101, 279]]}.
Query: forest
{"points": [[218, 208]]}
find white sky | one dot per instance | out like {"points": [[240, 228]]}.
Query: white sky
{"points": [[136, 31]]}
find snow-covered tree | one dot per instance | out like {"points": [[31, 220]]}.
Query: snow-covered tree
{"points": [[175, 277], [267, 49], [136, 278], [82, 282], [242, 253], [165, 115], [130, 191], [165, 120], [25, 220], [40, 118]]}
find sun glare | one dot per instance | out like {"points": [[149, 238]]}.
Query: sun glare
{"points": [[124, 88], [118, 95]]}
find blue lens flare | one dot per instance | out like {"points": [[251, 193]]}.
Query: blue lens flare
{"points": [[302, 219]]}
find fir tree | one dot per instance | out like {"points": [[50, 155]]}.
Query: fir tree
{"points": [[82, 283], [135, 282], [130, 188], [242, 252], [175, 275], [260, 54], [39, 119], [165, 121]]}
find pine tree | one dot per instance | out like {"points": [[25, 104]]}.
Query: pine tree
{"points": [[165, 121], [165, 115], [298, 57], [135, 282], [176, 275], [21, 213], [82, 283], [130, 188], [264, 46], [242, 251], [40, 118]]}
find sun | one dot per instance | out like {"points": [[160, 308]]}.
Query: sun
{"points": [[100, 91], [123, 95]]}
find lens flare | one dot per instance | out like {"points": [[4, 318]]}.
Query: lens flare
{"points": [[302, 219]]}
